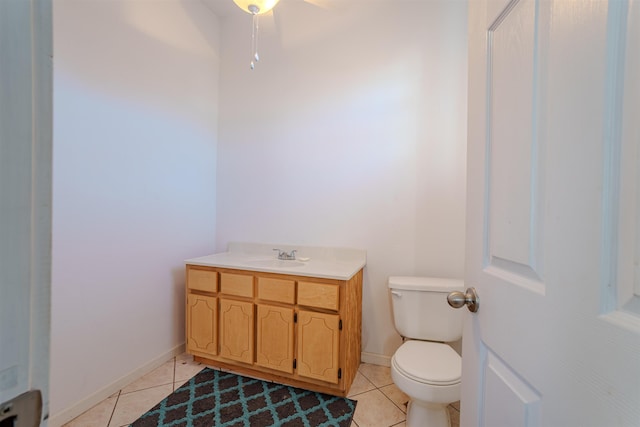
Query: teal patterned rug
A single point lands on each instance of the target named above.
(222, 399)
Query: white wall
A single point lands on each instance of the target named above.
(351, 131)
(135, 136)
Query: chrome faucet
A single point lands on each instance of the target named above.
(284, 255)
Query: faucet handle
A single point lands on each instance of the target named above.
(284, 255)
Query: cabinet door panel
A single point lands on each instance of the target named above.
(279, 290)
(318, 345)
(274, 338)
(202, 327)
(236, 330)
(202, 280)
(321, 295)
(236, 284)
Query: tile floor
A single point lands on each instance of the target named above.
(380, 403)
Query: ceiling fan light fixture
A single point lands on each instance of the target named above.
(256, 7)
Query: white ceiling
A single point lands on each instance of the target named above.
(225, 8)
(296, 22)
(222, 8)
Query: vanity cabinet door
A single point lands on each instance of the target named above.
(274, 337)
(318, 345)
(236, 330)
(202, 325)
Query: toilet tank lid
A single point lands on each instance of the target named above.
(412, 283)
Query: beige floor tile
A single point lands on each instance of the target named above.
(186, 368)
(454, 415)
(132, 405)
(360, 385)
(380, 376)
(98, 416)
(456, 405)
(402, 424)
(164, 374)
(374, 409)
(184, 357)
(396, 395)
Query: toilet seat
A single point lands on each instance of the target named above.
(429, 363)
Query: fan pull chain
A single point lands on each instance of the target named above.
(254, 41)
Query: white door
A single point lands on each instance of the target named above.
(553, 225)
(25, 206)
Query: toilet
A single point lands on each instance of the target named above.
(424, 367)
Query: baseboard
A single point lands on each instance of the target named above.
(74, 411)
(375, 359)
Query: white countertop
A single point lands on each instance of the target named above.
(328, 263)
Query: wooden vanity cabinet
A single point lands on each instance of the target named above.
(274, 337)
(202, 312)
(300, 331)
(275, 324)
(236, 317)
(236, 330)
(202, 324)
(319, 346)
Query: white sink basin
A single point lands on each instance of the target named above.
(274, 263)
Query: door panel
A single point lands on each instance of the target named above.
(508, 400)
(236, 330)
(550, 227)
(274, 337)
(318, 345)
(621, 300)
(202, 324)
(511, 142)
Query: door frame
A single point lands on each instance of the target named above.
(27, 104)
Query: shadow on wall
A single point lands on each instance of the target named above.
(179, 283)
(131, 39)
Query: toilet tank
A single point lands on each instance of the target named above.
(420, 308)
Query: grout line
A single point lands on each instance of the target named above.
(351, 396)
(394, 403)
(114, 408)
(175, 360)
(148, 388)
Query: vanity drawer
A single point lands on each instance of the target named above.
(202, 280)
(236, 284)
(279, 290)
(319, 295)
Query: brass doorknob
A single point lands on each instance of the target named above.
(457, 299)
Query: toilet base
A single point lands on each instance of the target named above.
(423, 414)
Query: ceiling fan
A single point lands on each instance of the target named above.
(261, 7)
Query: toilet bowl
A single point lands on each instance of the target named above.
(429, 373)
(424, 367)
